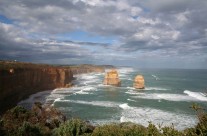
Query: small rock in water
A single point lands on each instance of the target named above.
(139, 82)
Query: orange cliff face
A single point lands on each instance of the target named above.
(112, 78)
(19, 80)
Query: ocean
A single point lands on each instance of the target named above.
(166, 99)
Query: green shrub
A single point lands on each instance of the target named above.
(73, 127)
(171, 131)
(124, 129)
(152, 130)
(28, 129)
(201, 128)
(18, 110)
(190, 132)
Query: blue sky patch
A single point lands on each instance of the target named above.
(82, 36)
(4, 19)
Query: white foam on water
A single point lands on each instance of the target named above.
(125, 70)
(102, 85)
(144, 115)
(133, 92)
(90, 76)
(35, 97)
(155, 88)
(91, 81)
(124, 106)
(57, 99)
(82, 92)
(89, 88)
(131, 100)
(204, 94)
(93, 103)
(59, 93)
(164, 96)
(156, 78)
(130, 87)
(197, 95)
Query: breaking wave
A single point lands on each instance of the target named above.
(144, 115)
(197, 95)
(156, 88)
(93, 103)
(124, 106)
(165, 96)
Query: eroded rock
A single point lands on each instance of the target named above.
(112, 78)
(139, 82)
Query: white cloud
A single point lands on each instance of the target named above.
(158, 27)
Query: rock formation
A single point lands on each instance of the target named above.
(19, 80)
(139, 82)
(112, 78)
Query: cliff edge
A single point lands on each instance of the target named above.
(19, 80)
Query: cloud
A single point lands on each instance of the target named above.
(160, 28)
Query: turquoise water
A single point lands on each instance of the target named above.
(165, 100)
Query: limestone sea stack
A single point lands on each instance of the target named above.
(112, 78)
(139, 82)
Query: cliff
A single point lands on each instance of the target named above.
(112, 78)
(19, 80)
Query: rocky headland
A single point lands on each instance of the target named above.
(18, 80)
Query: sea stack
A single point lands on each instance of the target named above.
(139, 82)
(112, 78)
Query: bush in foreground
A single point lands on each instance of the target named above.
(21, 122)
(73, 127)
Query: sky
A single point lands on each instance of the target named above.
(138, 33)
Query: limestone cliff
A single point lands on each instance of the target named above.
(19, 80)
(112, 78)
(139, 82)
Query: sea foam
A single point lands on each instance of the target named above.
(156, 88)
(125, 106)
(197, 95)
(144, 115)
(164, 96)
(131, 100)
(93, 103)
(82, 92)
(40, 96)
